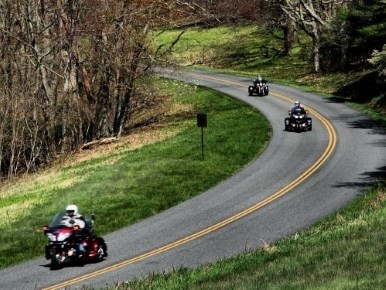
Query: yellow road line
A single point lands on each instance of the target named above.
(332, 139)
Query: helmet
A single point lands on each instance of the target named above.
(72, 210)
(259, 78)
(297, 103)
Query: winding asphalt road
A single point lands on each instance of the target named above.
(299, 179)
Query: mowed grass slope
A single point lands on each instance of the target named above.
(150, 170)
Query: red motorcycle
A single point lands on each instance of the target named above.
(66, 239)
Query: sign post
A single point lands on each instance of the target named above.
(202, 122)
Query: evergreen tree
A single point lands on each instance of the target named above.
(366, 28)
(378, 58)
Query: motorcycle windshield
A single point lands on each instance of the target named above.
(58, 222)
(296, 111)
(57, 218)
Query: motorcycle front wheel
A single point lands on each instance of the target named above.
(100, 253)
(56, 262)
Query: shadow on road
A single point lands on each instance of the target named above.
(368, 179)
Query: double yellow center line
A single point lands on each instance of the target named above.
(332, 140)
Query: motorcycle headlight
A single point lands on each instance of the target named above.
(63, 236)
(51, 237)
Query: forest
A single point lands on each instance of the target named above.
(74, 72)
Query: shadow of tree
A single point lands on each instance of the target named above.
(378, 125)
(365, 123)
(379, 175)
(358, 90)
(375, 127)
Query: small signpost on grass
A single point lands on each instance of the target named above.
(202, 122)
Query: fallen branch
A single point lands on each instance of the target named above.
(99, 142)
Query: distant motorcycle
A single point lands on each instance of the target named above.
(259, 89)
(299, 121)
(63, 241)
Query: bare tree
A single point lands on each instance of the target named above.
(314, 17)
(19, 89)
(70, 72)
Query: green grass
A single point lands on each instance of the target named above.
(211, 46)
(126, 185)
(249, 50)
(246, 49)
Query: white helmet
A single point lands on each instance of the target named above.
(72, 210)
(297, 104)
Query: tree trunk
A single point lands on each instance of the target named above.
(316, 47)
(290, 35)
(316, 53)
(121, 115)
(68, 24)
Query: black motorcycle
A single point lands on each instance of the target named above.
(299, 121)
(258, 88)
(64, 240)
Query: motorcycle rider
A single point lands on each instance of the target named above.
(297, 105)
(293, 112)
(73, 217)
(259, 80)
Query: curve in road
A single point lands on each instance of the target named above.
(226, 218)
